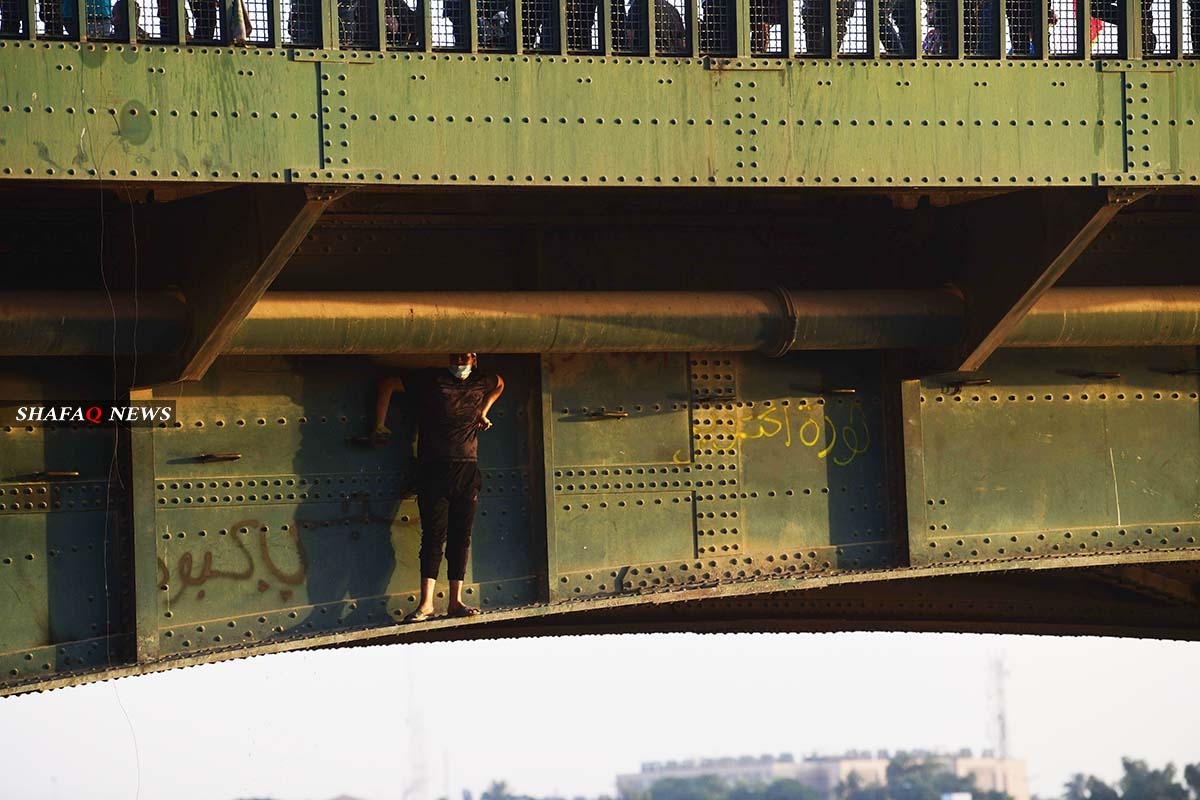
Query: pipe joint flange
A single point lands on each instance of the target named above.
(789, 326)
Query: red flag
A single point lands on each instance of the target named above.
(1096, 26)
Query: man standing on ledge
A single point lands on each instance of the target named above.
(451, 408)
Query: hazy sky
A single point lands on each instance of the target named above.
(567, 714)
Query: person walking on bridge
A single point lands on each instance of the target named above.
(451, 408)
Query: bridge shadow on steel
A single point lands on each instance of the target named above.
(277, 517)
(65, 563)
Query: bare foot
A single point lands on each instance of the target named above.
(462, 610)
(419, 614)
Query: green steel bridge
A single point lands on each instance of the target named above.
(814, 315)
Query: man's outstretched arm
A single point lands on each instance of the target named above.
(489, 401)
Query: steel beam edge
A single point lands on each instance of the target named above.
(447, 628)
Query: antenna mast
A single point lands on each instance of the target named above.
(999, 673)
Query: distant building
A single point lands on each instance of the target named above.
(991, 774)
(825, 773)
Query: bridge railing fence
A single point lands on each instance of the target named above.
(843, 29)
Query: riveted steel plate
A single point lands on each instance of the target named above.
(506, 541)
(52, 571)
(1151, 141)
(35, 662)
(1068, 451)
(916, 118)
(785, 470)
(276, 516)
(720, 519)
(165, 113)
(620, 408)
(1185, 123)
(318, 566)
(810, 430)
(109, 110)
(618, 461)
(38, 497)
(600, 529)
(63, 535)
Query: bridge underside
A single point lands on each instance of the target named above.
(1155, 600)
(725, 410)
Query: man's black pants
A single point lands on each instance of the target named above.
(447, 494)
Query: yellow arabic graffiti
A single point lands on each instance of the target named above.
(818, 426)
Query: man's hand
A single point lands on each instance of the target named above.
(484, 423)
(381, 434)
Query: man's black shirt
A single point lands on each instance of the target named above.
(447, 410)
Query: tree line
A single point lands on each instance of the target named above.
(1139, 781)
(910, 778)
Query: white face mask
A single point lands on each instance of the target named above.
(461, 371)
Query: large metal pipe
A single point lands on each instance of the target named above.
(76, 324)
(90, 323)
(1128, 316)
(575, 322)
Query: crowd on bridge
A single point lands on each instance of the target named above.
(539, 22)
(106, 19)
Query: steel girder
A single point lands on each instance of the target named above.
(173, 115)
(817, 491)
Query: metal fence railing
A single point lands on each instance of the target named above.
(949, 29)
